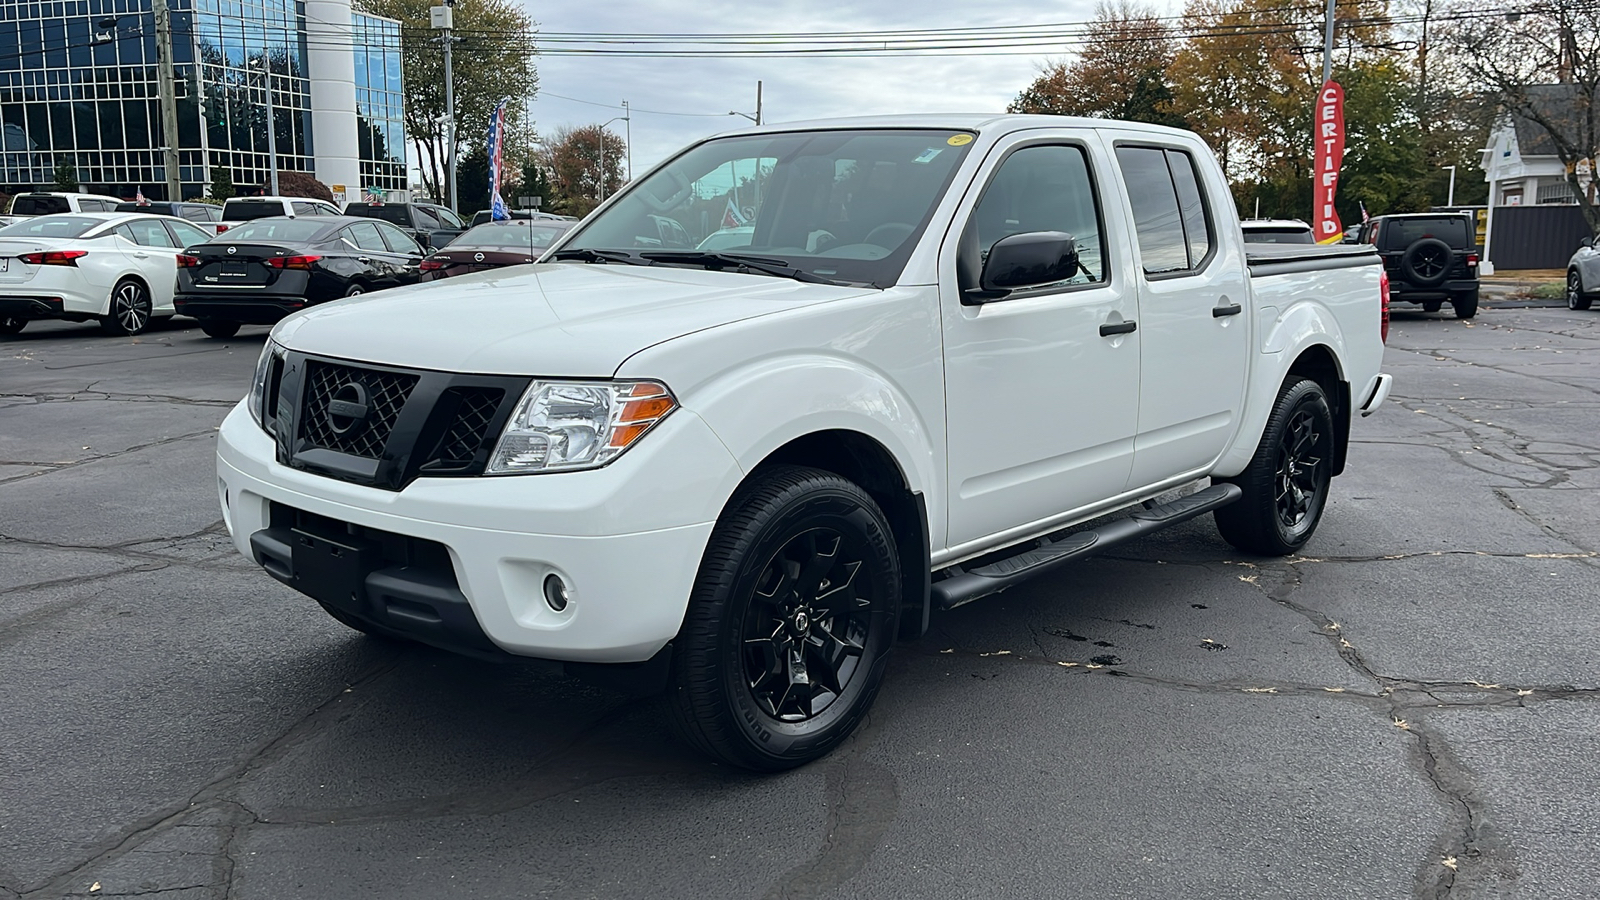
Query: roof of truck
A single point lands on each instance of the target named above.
(962, 121)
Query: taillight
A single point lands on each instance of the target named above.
(185, 261)
(1472, 259)
(1383, 292)
(431, 265)
(221, 228)
(291, 262)
(54, 257)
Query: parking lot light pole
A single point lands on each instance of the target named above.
(272, 126)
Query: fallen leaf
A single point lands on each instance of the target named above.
(1402, 724)
(94, 888)
(997, 653)
(1066, 664)
(1260, 690)
(1449, 862)
(1332, 626)
(1479, 684)
(1524, 693)
(1334, 690)
(949, 650)
(1093, 666)
(1248, 579)
(1345, 644)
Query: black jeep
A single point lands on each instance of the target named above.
(1431, 258)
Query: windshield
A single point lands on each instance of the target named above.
(51, 227)
(843, 205)
(280, 230)
(1257, 235)
(245, 210)
(519, 234)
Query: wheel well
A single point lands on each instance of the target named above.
(864, 461)
(1317, 362)
(134, 278)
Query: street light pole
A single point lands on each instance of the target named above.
(167, 89)
(443, 19)
(602, 139)
(272, 128)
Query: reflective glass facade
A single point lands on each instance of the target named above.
(72, 92)
(379, 93)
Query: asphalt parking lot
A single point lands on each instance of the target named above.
(1407, 710)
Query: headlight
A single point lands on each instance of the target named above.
(566, 425)
(264, 387)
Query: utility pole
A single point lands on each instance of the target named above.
(443, 18)
(1327, 47)
(758, 97)
(272, 127)
(627, 126)
(167, 90)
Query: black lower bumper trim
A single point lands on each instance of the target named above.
(248, 312)
(31, 307)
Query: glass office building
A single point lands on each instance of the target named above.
(76, 92)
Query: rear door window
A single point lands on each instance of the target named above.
(150, 233)
(1169, 211)
(186, 234)
(365, 235)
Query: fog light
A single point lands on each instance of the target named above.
(555, 592)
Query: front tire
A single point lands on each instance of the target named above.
(219, 329)
(1286, 484)
(12, 324)
(129, 310)
(1576, 298)
(788, 630)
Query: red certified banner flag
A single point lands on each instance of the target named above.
(1328, 150)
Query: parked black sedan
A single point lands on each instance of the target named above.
(265, 269)
(493, 245)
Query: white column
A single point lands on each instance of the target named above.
(331, 69)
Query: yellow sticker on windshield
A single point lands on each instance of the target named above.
(957, 140)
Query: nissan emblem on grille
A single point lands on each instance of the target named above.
(347, 408)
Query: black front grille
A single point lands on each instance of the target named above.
(475, 408)
(386, 397)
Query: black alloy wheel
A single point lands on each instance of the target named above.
(1576, 299)
(129, 310)
(788, 629)
(12, 324)
(1285, 487)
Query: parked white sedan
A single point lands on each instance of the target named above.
(117, 268)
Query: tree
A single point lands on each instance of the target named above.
(493, 60)
(535, 183)
(1119, 74)
(221, 182)
(572, 157)
(66, 175)
(1542, 65)
(303, 184)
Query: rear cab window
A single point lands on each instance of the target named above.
(39, 206)
(387, 212)
(245, 210)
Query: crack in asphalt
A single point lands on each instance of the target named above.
(220, 787)
(50, 468)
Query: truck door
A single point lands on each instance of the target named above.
(1194, 316)
(1041, 386)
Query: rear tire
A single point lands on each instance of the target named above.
(1576, 298)
(355, 290)
(788, 629)
(1286, 484)
(219, 329)
(12, 324)
(1466, 305)
(1432, 305)
(129, 311)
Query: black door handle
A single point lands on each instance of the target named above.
(1119, 328)
(1232, 309)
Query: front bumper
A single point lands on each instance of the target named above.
(626, 539)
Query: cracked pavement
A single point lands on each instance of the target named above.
(1407, 709)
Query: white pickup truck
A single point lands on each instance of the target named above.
(929, 352)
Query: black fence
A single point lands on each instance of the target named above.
(1535, 237)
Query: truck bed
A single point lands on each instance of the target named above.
(1285, 259)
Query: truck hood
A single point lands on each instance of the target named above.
(555, 319)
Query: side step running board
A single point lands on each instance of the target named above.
(997, 576)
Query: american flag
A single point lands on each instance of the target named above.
(375, 196)
(138, 196)
(731, 217)
(497, 127)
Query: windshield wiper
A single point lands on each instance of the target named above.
(588, 255)
(719, 261)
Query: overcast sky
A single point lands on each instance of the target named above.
(793, 88)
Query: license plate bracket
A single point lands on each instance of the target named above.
(335, 570)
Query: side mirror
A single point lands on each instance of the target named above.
(1026, 260)
(1586, 242)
